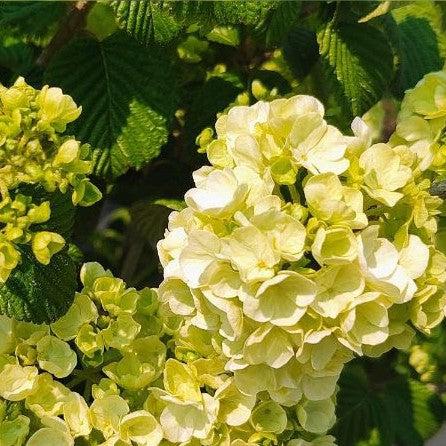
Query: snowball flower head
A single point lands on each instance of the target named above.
(293, 255)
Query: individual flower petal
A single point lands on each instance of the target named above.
(281, 300)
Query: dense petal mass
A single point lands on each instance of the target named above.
(281, 300)
(299, 249)
(325, 254)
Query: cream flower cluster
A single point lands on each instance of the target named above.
(301, 247)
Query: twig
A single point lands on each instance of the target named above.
(68, 28)
(389, 121)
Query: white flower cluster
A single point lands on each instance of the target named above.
(299, 248)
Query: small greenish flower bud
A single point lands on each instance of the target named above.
(40, 214)
(9, 258)
(56, 108)
(105, 387)
(45, 244)
(147, 302)
(12, 233)
(20, 204)
(259, 91)
(204, 138)
(89, 341)
(192, 49)
(263, 438)
(67, 153)
(299, 212)
(284, 171)
(26, 354)
(13, 98)
(419, 359)
(103, 321)
(242, 99)
(85, 193)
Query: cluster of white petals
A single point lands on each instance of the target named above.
(300, 248)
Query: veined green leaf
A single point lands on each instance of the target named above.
(280, 21)
(15, 55)
(247, 12)
(361, 414)
(31, 19)
(101, 21)
(419, 35)
(414, 410)
(232, 12)
(300, 50)
(39, 293)
(146, 20)
(150, 218)
(359, 60)
(429, 10)
(127, 94)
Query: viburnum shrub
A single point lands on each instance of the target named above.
(299, 249)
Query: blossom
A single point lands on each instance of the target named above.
(299, 248)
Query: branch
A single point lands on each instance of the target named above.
(68, 28)
(389, 121)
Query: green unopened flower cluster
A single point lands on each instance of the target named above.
(107, 345)
(33, 151)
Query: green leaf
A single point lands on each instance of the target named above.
(428, 411)
(232, 12)
(149, 219)
(31, 19)
(398, 411)
(77, 256)
(39, 293)
(127, 94)
(432, 11)
(358, 12)
(15, 55)
(382, 9)
(280, 21)
(101, 21)
(414, 410)
(359, 61)
(361, 413)
(226, 35)
(417, 42)
(146, 20)
(300, 50)
(247, 12)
